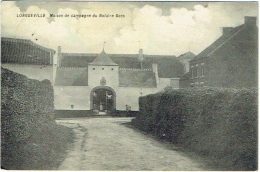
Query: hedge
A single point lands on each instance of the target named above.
(30, 137)
(221, 123)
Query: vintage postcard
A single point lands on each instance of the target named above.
(140, 85)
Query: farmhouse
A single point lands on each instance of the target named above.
(92, 81)
(107, 82)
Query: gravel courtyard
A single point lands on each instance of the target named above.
(107, 144)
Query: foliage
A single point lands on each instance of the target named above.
(30, 137)
(221, 123)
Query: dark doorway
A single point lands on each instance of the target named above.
(103, 100)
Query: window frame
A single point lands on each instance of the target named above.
(202, 72)
(192, 72)
(197, 71)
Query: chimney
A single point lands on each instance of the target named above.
(141, 57)
(155, 71)
(227, 30)
(59, 56)
(141, 51)
(250, 21)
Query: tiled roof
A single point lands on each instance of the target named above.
(6, 39)
(136, 78)
(71, 77)
(219, 42)
(24, 51)
(168, 66)
(103, 59)
(66, 76)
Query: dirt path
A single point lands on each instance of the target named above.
(106, 144)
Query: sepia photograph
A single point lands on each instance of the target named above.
(129, 85)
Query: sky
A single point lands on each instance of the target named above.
(165, 28)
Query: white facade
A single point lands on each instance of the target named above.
(103, 74)
(78, 98)
(109, 73)
(39, 72)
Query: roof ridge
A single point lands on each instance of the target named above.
(26, 41)
(16, 38)
(120, 54)
(220, 41)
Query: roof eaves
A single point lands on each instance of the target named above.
(193, 60)
(103, 64)
(26, 41)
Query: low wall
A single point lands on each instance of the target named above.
(126, 114)
(221, 123)
(72, 113)
(89, 113)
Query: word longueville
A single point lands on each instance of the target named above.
(30, 15)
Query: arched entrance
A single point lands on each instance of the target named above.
(103, 99)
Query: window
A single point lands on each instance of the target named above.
(112, 69)
(192, 72)
(72, 106)
(202, 69)
(93, 68)
(197, 71)
(102, 68)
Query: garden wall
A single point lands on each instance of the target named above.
(221, 123)
(30, 137)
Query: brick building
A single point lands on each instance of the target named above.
(230, 61)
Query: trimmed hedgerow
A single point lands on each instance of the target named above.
(30, 137)
(221, 123)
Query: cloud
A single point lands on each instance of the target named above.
(147, 26)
